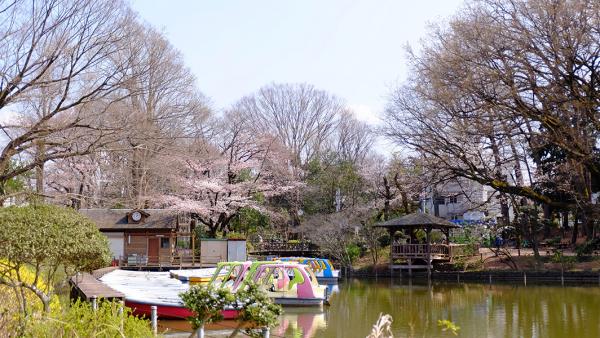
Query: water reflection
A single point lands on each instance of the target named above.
(480, 310)
(301, 322)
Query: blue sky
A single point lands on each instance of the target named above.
(354, 49)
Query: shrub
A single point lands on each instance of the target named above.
(567, 262)
(47, 238)
(258, 309)
(255, 307)
(353, 251)
(206, 302)
(235, 235)
(587, 248)
(79, 320)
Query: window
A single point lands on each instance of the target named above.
(164, 242)
(440, 201)
(453, 199)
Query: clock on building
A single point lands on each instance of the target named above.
(136, 216)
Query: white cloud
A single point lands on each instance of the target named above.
(365, 113)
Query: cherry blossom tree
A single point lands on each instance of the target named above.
(214, 180)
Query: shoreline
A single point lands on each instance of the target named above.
(493, 276)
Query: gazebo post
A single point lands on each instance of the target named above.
(427, 232)
(447, 233)
(391, 231)
(411, 232)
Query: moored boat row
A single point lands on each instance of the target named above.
(288, 283)
(322, 267)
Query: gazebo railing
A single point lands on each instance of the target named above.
(438, 251)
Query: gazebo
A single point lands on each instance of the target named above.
(412, 251)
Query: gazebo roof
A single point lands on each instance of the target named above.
(417, 220)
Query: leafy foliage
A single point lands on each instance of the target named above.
(46, 238)
(254, 306)
(249, 220)
(79, 320)
(353, 252)
(257, 308)
(206, 302)
(51, 236)
(587, 248)
(330, 181)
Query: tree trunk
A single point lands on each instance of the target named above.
(575, 228)
(565, 221)
(387, 199)
(436, 206)
(39, 169)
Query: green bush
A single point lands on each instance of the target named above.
(384, 239)
(235, 235)
(206, 302)
(257, 308)
(52, 242)
(560, 258)
(353, 251)
(79, 320)
(587, 248)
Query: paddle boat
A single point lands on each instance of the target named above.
(143, 289)
(290, 283)
(322, 267)
(287, 283)
(232, 275)
(193, 276)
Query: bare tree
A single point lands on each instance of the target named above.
(508, 85)
(64, 57)
(352, 139)
(299, 115)
(166, 109)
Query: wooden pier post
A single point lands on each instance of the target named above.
(94, 300)
(154, 319)
(121, 316)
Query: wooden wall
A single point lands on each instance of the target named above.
(137, 243)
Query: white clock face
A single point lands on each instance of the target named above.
(136, 216)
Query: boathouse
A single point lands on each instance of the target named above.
(145, 236)
(160, 238)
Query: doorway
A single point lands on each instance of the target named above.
(153, 250)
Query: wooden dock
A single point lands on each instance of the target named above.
(85, 286)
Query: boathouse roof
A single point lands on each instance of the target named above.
(120, 219)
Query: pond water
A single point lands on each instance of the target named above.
(480, 310)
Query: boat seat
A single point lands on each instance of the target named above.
(298, 279)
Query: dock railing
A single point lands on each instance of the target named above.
(169, 261)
